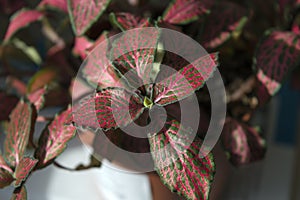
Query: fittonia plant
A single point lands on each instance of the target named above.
(44, 42)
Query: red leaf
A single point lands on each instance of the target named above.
(242, 142)
(109, 108)
(225, 20)
(180, 166)
(37, 98)
(8, 103)
(82, 44)
(20, 20)
(186, 81)
(137, 64)
(276, 55)
(20, 194)
(23, 169)
(60, 4)
(84, 13)
(54, 139)
(184, 11)
(126, 21)
(18, 131)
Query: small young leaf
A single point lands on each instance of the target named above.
(84, 13)
(133, 54)
(243, 142)
(20, 194)
(109, 108)
(224, 21)
(54, 139)
(20, 20)
(60, 4)
(82, 44)
(6, 178)
(8, 103)
(126, 21)
(37, 98)
(180, 166)
(276, 55)
(23, 169)
(186, 81)
(18, 131)
(184, 11)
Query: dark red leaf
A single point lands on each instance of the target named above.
(184, 11)
(23, 169)
(126, 21)
(54, 139)
(18, 131)
(186, 81)
(179, 164)
(84, 13)
(243, 143)
(109, 108)
(276, 55)
(20, 194)
(41, 79)
(224, 21)
(8, 102)
(60, 4)
(20, 20)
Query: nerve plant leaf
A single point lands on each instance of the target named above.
(20, 20)
(225, 20)
(54, 139)
(133, 54)
(126, 21)
(277, 54)
(243, 143)
(109, 108)
(23, 169)
(186, 81)
(84, 13)
(18, 131)
(178, 163)
(184, 11)
(60, 4)
(20, 194)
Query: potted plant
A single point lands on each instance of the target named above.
(130, 69)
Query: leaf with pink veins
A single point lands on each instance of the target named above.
(185, 81)
(54, 139)
(276, 55)
(179, 162)
(127, 21)
(84, 14)
(21, 123)
(184, 11)
(23, 169)
(109, 108)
